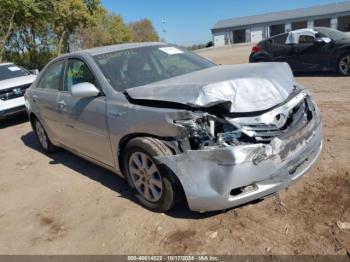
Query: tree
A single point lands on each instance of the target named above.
(107, 29)
(7, 11)
(69, 16)
(119, 31)
(143, 31)
(26, 28)
(24, 20)
(34, 31)
(96, 34)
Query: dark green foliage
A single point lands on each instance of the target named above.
(32, 32)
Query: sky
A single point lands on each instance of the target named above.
(189, 22)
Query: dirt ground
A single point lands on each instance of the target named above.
(62, 204)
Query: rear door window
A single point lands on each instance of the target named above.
(279, 39)
(51, 78)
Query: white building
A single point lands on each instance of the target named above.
(258, 27)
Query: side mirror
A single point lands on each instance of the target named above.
(84, 90)
(326, 39)
(34, 71)
(318, 41)
(323, 40)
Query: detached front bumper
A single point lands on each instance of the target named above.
(223, 177)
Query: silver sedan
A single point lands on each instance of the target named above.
(177, 126)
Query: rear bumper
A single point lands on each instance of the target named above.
(211, 177)
(251, 59)
(12, 107)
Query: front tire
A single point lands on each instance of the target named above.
(154, 186)
(42, 137)
(344, 65)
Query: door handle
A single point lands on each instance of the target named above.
(61, 104)
(112, 114)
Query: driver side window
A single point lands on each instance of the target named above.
(77, 72)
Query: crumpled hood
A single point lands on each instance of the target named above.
(237, 88)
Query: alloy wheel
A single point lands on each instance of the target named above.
(41, 135)
(145, 176)
(344, 65)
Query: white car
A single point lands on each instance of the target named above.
(14, 80)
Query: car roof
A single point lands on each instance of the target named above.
(285, 33)
(321, 27)
(313, 30)
(304, 30)
(5, 64)
(113, 48)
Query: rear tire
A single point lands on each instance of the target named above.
(42, 137)
(344, 65)
(154, 186)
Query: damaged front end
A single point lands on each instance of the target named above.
(229, 159)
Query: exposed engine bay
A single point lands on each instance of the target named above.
(207, 130)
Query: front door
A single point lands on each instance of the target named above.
(85, 117)
(312, 55)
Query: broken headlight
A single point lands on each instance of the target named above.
(207, 130)
(200, 131)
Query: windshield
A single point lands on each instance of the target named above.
(331, 33)
(141, 66)
(9, 71)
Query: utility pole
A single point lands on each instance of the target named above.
(164, 30)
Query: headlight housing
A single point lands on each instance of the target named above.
(199, 131)
(207, 130)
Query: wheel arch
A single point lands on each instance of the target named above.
(127, 138)
(342, 52)
(32, 117)
(260, 57)
(337, 54)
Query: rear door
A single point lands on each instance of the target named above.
(85, 119)
(44, 98)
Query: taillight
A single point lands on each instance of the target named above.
(256, 49)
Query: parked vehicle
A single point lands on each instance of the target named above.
(14, 81)
(174, 124)
(318, 49)
(209, 44)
